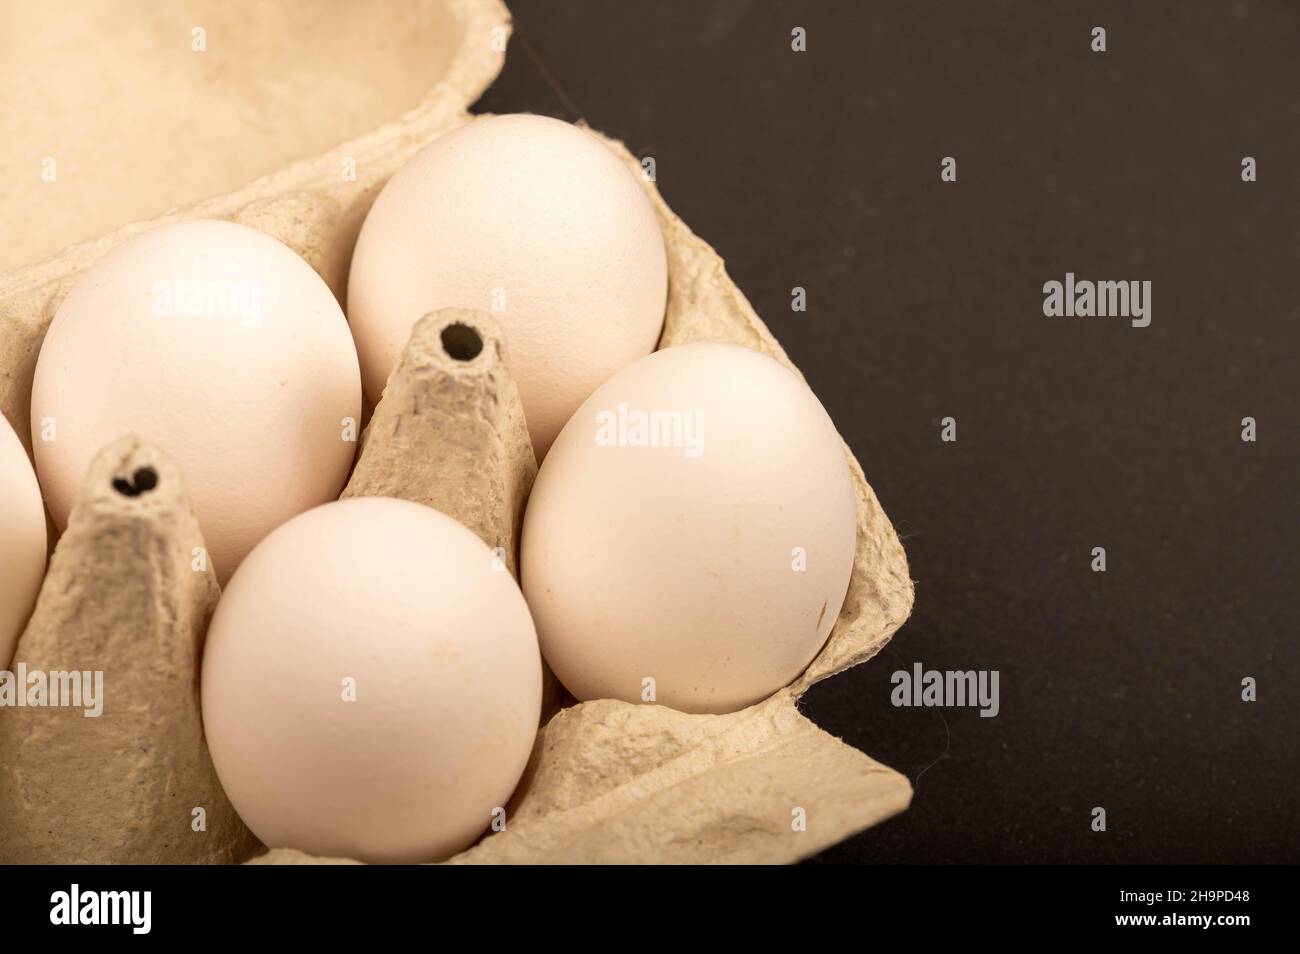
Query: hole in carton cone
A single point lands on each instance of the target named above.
(142, 481)
(461, 342)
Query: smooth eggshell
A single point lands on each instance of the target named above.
(22, 540)
(535, 220)
(436, 636)
(251, 405)
(645, 562)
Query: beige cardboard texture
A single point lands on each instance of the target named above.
(114, 111)
(608, 781)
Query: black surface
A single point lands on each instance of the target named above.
(1119, 689)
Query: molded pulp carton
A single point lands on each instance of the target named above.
(608, 781)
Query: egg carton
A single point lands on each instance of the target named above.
(608, 781)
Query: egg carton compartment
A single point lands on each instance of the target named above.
(608, 781)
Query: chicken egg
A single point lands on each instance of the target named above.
(690, 536)
(22, 540)
(224, 348)
(371, 684)
(532, 219)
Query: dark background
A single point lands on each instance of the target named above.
(821, 169)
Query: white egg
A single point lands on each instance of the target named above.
(371, 684)
(223, 347)
(690, 536)
(22, 540)
(534, 220)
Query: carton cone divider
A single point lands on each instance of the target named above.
(104, 759)
(449, 431)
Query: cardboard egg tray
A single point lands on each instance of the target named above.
(608, 781)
